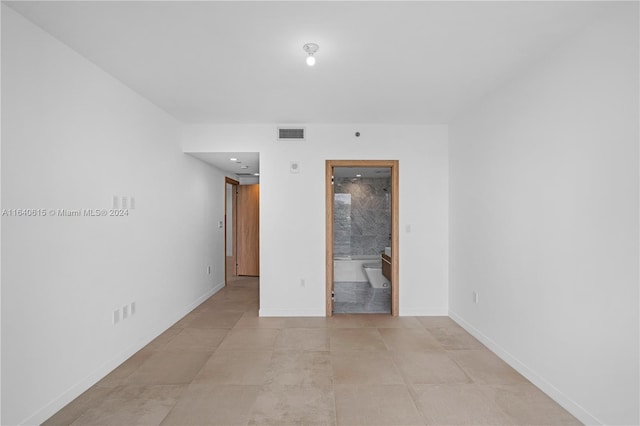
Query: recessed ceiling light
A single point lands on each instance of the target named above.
(358, 175)
(233, 159)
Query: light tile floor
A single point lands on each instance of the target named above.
(360, 298)
(223, 365)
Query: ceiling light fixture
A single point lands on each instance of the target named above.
(311, 48)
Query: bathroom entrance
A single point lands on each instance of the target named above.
(362, 236)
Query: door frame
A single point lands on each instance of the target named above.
(234, 226)
(395, 209)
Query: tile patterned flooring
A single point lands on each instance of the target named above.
(223, 365)
(361, 298)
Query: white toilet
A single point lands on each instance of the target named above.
(373, 271)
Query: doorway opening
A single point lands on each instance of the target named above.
(362, 236)
(231, 229)
(241, 230)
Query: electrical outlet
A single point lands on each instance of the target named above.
(116, 316)
(133, 308)
(125, 312)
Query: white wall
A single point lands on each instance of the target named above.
(292, 210)
(544, 221)
(72, 137)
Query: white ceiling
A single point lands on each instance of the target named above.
(379, 62)
(222, 161)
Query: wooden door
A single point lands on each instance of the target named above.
(248, 238)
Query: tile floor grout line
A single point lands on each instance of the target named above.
(295, 365)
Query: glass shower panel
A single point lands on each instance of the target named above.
(342, 225)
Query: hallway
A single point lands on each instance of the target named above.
(224, 365)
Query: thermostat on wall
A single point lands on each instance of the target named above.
(294, 167)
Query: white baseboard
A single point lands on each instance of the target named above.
(77, 389)
(554, 393)
(424, 312)
(216, 288)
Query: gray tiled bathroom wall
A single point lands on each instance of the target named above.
(362, 216)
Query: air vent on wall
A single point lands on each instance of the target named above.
(290, 133)
(245, 174)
